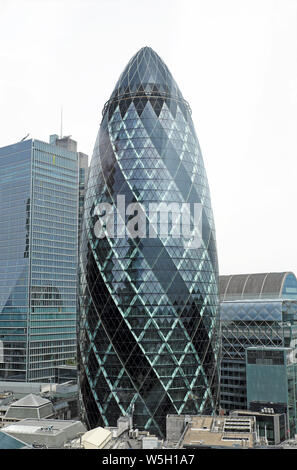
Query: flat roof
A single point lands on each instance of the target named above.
(9, 442)
(255, 413)
(209, 431)
(40, 426)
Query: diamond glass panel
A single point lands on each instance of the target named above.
(148, 323)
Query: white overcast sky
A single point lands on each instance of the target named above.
(235, 61)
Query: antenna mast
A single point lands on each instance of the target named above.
(61, 132)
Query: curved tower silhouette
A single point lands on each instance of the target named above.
(148, 321)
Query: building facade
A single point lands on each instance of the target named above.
(210, 432)
(83, 167)
(148, 305)
(255, 310)
(38, 259)
(271, 375)
(271, 425)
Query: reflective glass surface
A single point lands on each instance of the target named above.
(15, 187)
(148, 306)
(290, 287)
(38, 259)
(54, 232)
(251, 323)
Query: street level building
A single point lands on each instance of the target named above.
(270, 425)
(210, 432)
(31, 406)
(45, 432)
(9, 442)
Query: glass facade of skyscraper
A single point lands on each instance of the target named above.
(38, 259)
(256, 310)
(83, 179)
(83, 168)
(15, 196)
(148, 306)
(272, 383)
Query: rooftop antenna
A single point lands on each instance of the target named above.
(24, 138)
(61, 134)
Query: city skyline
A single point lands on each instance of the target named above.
(242, 85)
(148, 290)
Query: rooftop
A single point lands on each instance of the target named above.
(209, 431)
(254, 413)
(21, 388)
(49, 433)
(146, 68)
(9, 442)
(145, 77)
(96, 437)
(30, 400)
(258, 286)
(40, 426)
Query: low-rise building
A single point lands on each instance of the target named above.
(96, 438)
(31, 406)
(49, 433)
(211, 432)
(122, 436)
(270, 425)
(9, 442)
(63, 396)
(21, 389)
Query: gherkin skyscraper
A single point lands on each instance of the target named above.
(148, 321)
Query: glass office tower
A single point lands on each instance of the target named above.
(271, 375)
(256, 310)
(69, 144)
(83, 179)
(148, 306)
(38, 259)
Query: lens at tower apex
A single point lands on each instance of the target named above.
(148, 322)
